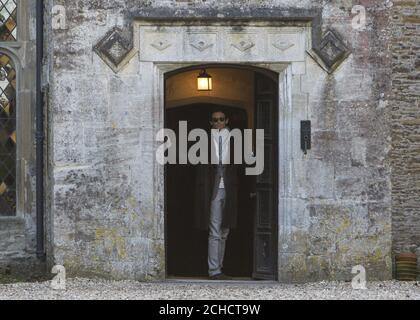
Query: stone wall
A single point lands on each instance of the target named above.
(104, 223)
(404, 102)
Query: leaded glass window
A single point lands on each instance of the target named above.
(7, 136)
(8, 20)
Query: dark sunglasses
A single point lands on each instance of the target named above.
(215, 120)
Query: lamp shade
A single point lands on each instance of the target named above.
(204, 81)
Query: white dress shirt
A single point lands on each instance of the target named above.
(225, 134)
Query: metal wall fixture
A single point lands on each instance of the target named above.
(306, 136)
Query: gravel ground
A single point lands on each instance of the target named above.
(83, 289)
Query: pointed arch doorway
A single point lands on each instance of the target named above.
(250, 97)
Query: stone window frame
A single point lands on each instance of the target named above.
(18, 52)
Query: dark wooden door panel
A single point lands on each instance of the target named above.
(266, 220)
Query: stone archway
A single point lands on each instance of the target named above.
(284, 72)
(161, 57)
(253, 245)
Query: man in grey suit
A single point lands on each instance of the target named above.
(218, 234)
(216, 194)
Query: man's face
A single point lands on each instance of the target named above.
(219, 121)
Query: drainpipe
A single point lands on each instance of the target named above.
(40, 245)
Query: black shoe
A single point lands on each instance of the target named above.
(220, 277)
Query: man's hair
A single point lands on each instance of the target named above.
(216, 110)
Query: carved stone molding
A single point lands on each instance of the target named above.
(216, 42)
(115, 50)
(173, 40)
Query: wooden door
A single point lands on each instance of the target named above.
(266, 189)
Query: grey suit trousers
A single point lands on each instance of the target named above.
(217, 234)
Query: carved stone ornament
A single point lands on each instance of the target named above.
(161, 45)
(243, 45)
(283, 46)
(201, 45)
(330, 52)
(115, 50)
